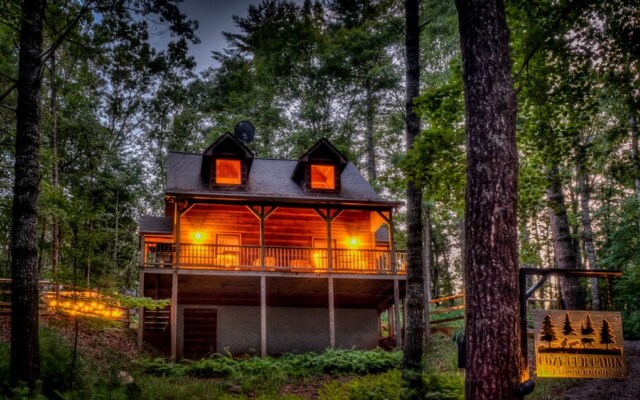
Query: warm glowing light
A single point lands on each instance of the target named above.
(92, 304)
(198, 237)
(353, 242)
(323, 177)
(228, 172)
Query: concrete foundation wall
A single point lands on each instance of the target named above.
(289, 329)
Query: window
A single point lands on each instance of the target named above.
(228, 172)
(323, 177)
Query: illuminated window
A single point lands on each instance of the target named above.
(228, 172)
(322, 177)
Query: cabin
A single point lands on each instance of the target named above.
(268, 256)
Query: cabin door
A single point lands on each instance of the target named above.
(200, 332)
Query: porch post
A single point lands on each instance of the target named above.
(262, 218)
(332, 318)
(174, 287)
(263, 314)
(141, 310)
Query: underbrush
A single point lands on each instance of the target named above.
(333, 374)
(388, 386)
(251, 374)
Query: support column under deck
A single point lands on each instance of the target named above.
(141, 311)
(174, 316)
(263, 315)
(332, 315)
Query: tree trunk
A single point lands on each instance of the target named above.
(494, 362)
(587, 231)
(413, 344)
(55, 180)
(371, 151)
(426, 257)
(636, 159)
(565, 246)
(25, 353)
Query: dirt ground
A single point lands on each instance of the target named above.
(608, 389)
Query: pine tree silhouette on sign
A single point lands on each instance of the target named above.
(588, 328)
(567, 329)
(606, 334)
(547, 333)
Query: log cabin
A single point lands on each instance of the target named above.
(268, 256)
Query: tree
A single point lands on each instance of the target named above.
(25, 350)
(567, 329)
(606, 334)
(587, 327)
(494, 362)
(413, 345)
(548, 332)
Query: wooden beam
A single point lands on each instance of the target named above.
(332, 319)
(263, 316)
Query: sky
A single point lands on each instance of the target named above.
(214, 17)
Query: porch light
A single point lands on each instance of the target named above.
(353, 242)
(198, 237)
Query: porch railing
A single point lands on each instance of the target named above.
(284, 259)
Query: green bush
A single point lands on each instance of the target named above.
(389, 386)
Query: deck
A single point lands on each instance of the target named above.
(273, 259)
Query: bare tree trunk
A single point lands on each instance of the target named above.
(55, 180)
(494, 362)
(25, 351)
(413, 343)
(636, 158)
(426, 257)
(371, 151)
(564, 245)
(587, 231)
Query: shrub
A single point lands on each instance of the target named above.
(389, 386)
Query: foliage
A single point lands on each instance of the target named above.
(389, 386)
(331, 361)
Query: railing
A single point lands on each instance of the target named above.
(285, 259)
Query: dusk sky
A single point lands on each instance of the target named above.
(214, 18)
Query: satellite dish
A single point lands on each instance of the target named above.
(244, 131)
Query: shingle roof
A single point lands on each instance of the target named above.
(149, 224)
(268, 179)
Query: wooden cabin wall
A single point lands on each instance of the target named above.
(287, 227)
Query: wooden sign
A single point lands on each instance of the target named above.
(579, 344)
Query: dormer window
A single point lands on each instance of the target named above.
(228, 172)
(323, 177)
(319, 170)
(226, 164)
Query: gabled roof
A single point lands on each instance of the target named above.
(318, 146)
(268, 180)
(159, 225)
(227, 137)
